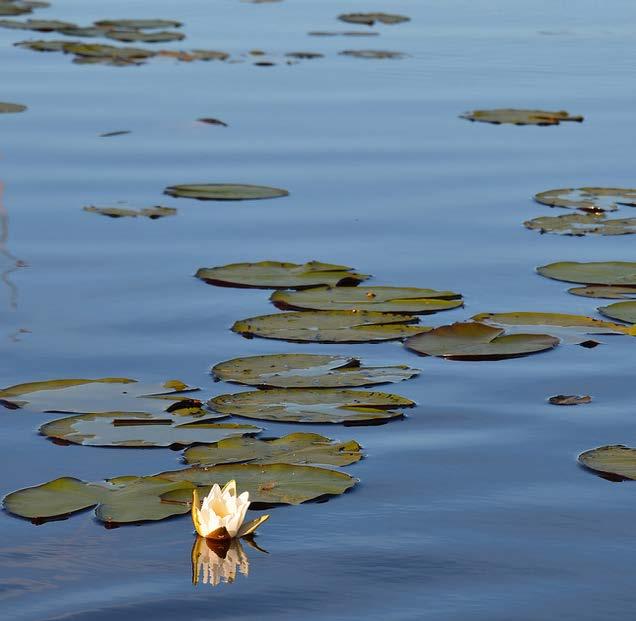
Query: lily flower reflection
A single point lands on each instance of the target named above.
(214, 561)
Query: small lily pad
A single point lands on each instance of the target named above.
(295, 448)
(614, 460)
(570, 399)
(140, 429)
(277, 275)
(38, 25)
(119, 132)
(609, 292)
(372, 54)
(619, 273)
(324, 405)
(138, 24)
(224, 192)
(118, 212)
(331, 326)
(11, 108)
(578, 225)
(345, 33)
(369, 19)
(477, 341)
(211, 121)
(590, 199)
(138, 36)
(623, 311)
(520, 117)
(307, 371)
(381, 299)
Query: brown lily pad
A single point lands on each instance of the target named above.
(520, 117)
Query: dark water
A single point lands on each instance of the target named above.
(471, 508)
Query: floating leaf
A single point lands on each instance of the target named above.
(588, 199)
(224, 192)
(92, 52)
(520, 117)
(579, 225)
(211, 121)
(304, 55)
(204, 55)
(10, 108)
(295, 448)
(570, 399)
(610, 292)
(118, 212)
(138, 24)
(307, 371)
(331, 326)
(614, 460)
(276, 275)
(477, 341)
(20, 7)
(137, 36)
(381, 299)
(140, 429)
(120, 132)
(324, 405)
(38, 25)
(623, 311)
(622, 273)
(369, 19)
(372, 54)
(346, 33)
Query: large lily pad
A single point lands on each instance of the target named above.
(579, 224)
(588, 199)
(369, 19)
(38, 25)
(92, 53)
(609, 292)
(140, 429)
(295, 448)
(614, 460)
(623, 311)
(92, 395)
(277, 275)
(331, 326)
(11, 108)
(307, 371)
(224, 192)
(477, 341)
(620, 273)
(520, 117)
(153, 213)
(381, 299)
(324, 405)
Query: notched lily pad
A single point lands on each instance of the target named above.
(224, 192)
(589, 199)
(520, 117)
(608, 292)
(331, 326)
(381, 299)
(119, 212)
(477, 341)
(617, 273)
(324, 405)
(611, 461)
(579, 225)
(11, 108)
(277, 275)
(372, 54)
(295, 448)
(570, 399)
(307, 371)
(622, 311)
(369, 19)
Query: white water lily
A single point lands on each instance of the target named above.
(222, 512)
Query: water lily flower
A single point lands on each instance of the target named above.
(221, 514)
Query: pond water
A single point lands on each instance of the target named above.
(473, 507)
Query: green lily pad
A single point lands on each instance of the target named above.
(38, 25)
(140, 429)
(620, 273)
(520, 117)
(578, 225)
(276, 275)
(138, 36)
(91, 395)
(323, 405)
(204, 55)
(477, 341)
(609, 292)
(372, 54)
(81, 31)
(331, 326)
(613, 460)
(295, 448)
(623, 311)
(307, 371)
(137, 24)
(10, 108)
(369, 19)
(224, 192)
(588, 199)
(381, 299)
(119, 212)
(20, 7)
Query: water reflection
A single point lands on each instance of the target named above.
(13, 263)
(214, 562)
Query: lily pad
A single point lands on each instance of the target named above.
(140, 429)
(119, 212)
(345, 33)
(211, 121)
(619, 273)
(38, 25)
(11, 108)
(614, 460)
(623, 311)
(578, 225)
(20, 7)
(590, 199)
(307, 371)
(570, 399)
(138, 24)
(369, 19)
(609, 292)
(520, 117)
(331, 326)
(381, 299)
(224, 192)
(477, 341)
(324, 405)
(138, 36)
(295, 448)
(372, 54)
(119, 132)
(276, 275)
(91, 395)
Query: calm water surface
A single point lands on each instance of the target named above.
(473, 507)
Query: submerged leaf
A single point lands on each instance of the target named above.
(610, 292)
(614, 460)
(623, 311)
(369, 19)
(224, 192)
(621, 273)
(588, 199)
(520, 117)
(579, 225)
(307, 371)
